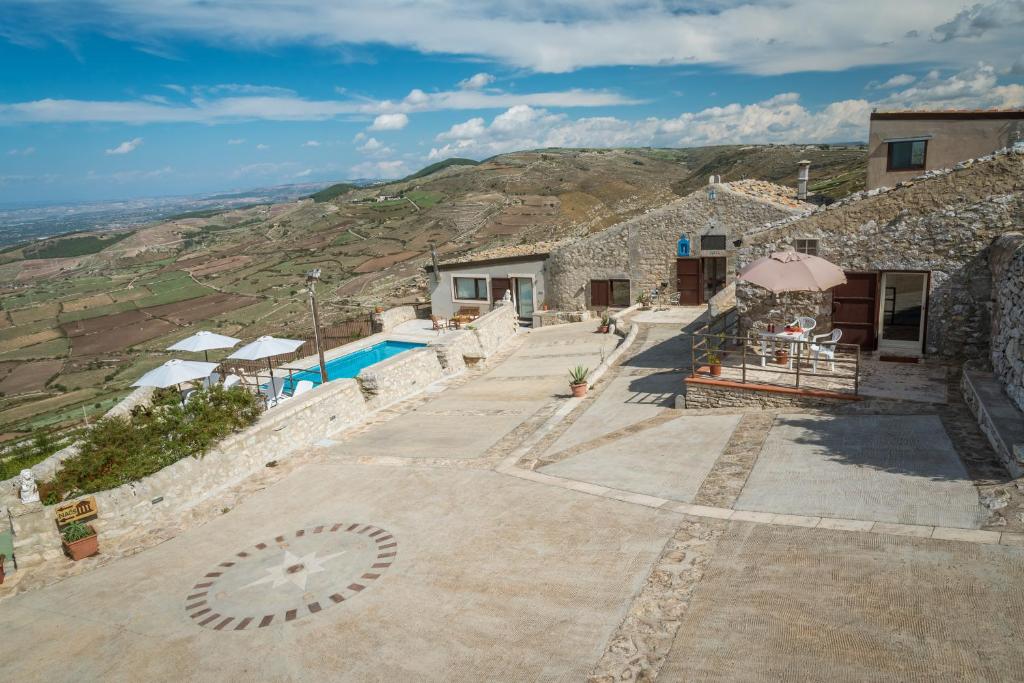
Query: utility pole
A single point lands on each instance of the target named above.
(311, 279)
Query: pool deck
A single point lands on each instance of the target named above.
(414, 331)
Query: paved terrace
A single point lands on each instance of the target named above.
(496, 530)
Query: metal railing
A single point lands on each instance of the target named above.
(749, 360)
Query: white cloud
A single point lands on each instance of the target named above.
(311, 143)
(304, 173)
(22, 152)
(380, 169)
(291, 108)
(477, 81)
(129, 176)
(374, 147)
(390, 122)
(126, 146)
(264, 169)
(770, 37)
(236, 141)
(781, 118)
(897, 81)
(261, 146)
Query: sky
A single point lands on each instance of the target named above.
(111, 99)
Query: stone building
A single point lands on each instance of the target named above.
(904, 144)
(918, 259)
(686, 247)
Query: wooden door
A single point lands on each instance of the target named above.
(600, 293)
(499, 285)
(854, 309)
(689, 282)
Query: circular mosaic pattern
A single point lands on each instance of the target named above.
(291, 577)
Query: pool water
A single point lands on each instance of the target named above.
(351, 364)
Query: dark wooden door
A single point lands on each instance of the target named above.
(499, 285)
(855, 309)
(689, 282)
(600, 293)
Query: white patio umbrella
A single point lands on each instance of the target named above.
(174, 372)
(267, 347)
(204, 341)
(792, 271)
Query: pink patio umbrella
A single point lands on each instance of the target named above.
(791, 271)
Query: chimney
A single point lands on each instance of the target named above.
(433, 258)
(801, 179)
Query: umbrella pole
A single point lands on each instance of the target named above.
(206, 355)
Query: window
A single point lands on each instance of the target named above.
(807, 247)
(712, 242)
(908, 155)
(470, 288)
(620, 293)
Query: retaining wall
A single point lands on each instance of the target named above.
(1007, 263)
(722, 395)
(385, 321)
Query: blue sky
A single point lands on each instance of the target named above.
(108, 99)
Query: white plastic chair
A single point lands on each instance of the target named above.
(825, 348)
(211, 380)
(806, 324)
(302, 387)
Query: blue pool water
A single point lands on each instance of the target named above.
(351, 364)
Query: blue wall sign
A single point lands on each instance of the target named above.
(683, 246)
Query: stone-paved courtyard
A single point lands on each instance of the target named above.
(497, 530)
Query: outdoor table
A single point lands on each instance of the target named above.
(771, 339)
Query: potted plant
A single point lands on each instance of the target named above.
(80, 540)
(578, 381)
(606, 321)
(644, 299)
(714, 358)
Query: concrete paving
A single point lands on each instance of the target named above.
(493, 578)
(669, 461)
(888, 468)
(791, 604)
(465, 421)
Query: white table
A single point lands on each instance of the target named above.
(769, 340)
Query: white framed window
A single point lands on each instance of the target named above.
(470, 288)
(807, 246)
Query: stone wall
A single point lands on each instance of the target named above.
(706, 395)
(643, 249)
(488, 333)
(397, 377)
(943, 223)
(385, 321)
(1007, 264)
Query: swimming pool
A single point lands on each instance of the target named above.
(351, 364)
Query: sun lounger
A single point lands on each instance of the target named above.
(232, 381)
(211, 380)
(273, 391)
(302, 387)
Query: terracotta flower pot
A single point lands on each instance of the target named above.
(579, 390)
(83, 548)
(603, 329)
(782, 357)
(716, 370)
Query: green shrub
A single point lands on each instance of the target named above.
(76, 531)
(118, 451)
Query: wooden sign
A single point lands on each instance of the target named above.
(76, 510)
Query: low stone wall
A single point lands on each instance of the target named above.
(1007, 263)
(164, 495)
(721, 395)
(395, 378)
(488, 333)
(385, 321)
(549, 318)
(999, 419)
